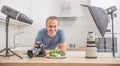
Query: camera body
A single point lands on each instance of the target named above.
(38, 51)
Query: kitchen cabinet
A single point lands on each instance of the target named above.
(105, 44)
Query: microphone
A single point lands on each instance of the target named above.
(14, 14)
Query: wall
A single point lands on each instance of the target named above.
(2, 35)
(12, 31)
(72, 8)
(76, 31)
(39, 10)
(23, 6)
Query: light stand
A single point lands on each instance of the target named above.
(8, 49)
(110, 11)
(113, 44)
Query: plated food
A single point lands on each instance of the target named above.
(56, 54)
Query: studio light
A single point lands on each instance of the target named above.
(16, 15)
(111, 9)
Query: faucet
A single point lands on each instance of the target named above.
(15, 36)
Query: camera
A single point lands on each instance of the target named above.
(38, 51)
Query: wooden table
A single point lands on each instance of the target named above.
(74, 58)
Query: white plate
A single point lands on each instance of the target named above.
(59, 57)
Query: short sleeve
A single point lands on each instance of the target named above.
(38, 37)
(62, 37)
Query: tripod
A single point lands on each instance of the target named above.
(7, 50)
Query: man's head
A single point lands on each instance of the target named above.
(52, 24)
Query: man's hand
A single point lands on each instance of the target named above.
(62, 46)
(47, 52)
(35, 45)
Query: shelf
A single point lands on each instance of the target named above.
(14, 22)
(67, 18)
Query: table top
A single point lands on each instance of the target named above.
(71, 57)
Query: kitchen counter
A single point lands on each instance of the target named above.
(74, 58)
(76, 49)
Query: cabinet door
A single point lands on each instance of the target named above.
(105, 44)
(108, 44)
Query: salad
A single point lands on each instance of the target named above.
(57, 53)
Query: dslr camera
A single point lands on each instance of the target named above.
(38, 51)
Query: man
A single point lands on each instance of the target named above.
(52, 37)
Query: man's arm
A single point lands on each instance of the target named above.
(62, 46)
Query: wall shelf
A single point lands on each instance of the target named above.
(13, 22)
(67, 18)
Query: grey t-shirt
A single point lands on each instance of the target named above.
(50, 43)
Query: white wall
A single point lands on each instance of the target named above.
(72, 8)
(39, 10)
(2, 35)
(76, 31)
(23, 6)
(104, 3)
(12, 31)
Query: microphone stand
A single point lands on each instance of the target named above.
(8, 49)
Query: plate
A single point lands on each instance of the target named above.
(59, 57)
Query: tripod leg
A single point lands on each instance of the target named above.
(2, 50)
(6, 52)
(8, 55)
(15, 54)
